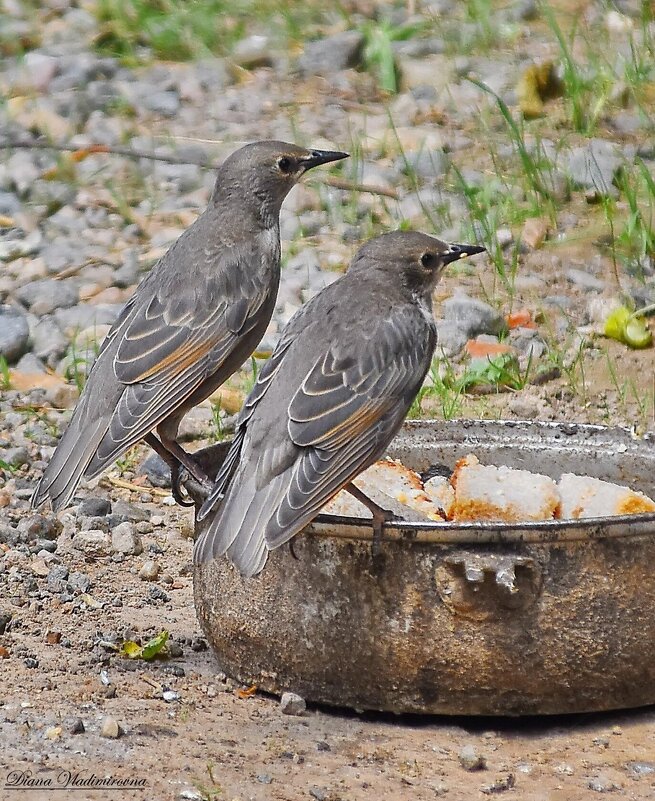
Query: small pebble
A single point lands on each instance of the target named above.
(292, 704)
(53, 732)
(175, 650)
(639, 769)
(94, 506)
(110, 729)
(156, 593)
(602, 784)
(76, 726)
(125, 540)
(500, 785)
(149, 571)
(470, 759)
(93, 543)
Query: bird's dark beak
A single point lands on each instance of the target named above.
(456, 252)
(318, 157)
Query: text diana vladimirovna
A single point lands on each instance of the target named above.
(70, 780)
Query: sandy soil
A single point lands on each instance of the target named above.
(212, 743)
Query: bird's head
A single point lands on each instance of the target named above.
(415, 259)
(260, 175)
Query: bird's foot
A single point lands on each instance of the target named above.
(186, 489)
(179, 477)
(380, 516)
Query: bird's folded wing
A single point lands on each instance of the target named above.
(342, 396)
(346, 412)
(156, 346)
(165, 351)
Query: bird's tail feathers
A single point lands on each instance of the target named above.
(67, 466)
(237, 528)
(223, 476)
(242, 526)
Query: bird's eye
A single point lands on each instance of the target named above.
(428, 259)
(284, 164)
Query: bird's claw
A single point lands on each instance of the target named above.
(180, 475)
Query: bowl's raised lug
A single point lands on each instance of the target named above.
(480, 585)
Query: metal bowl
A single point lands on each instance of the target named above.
(477, 618)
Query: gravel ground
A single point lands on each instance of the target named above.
(77, 233)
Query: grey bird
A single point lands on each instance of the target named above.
(329, 400)
(191, 323)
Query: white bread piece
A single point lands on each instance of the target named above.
(401, 483)
(391, 478)
(439, 490)
(486, 492)
(346, 505)
(583, 496)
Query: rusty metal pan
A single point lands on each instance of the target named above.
(487, 618)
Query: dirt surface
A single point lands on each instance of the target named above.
(210, 742)
(84, 227)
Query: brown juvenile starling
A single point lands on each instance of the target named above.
(329, 400)
(191, 323)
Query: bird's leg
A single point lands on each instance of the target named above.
(380, 515)
(185, 459)
(174, 464)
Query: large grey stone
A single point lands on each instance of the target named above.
(15, 457)
(28, 363)
(334, 53)
(14, 333)
(428, 164)
(124, 511)
(124, 539)
(77, 318)
(40, 526)
(48, 340)
(253, 51)
(48, 294)
(92, 542)
(128, 273)
(450, 338)
(94, 506)
(292, 704)
(52, 194)
(472, 316)
(594, 166)
(157, 471)
(585, 280)
(101, 94)
(166, 103)
(15, 244)
(9, 203)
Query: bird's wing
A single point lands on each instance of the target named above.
(169, 345)
(341, 418)
(160, 339)
(346, 412)
(265, 378)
